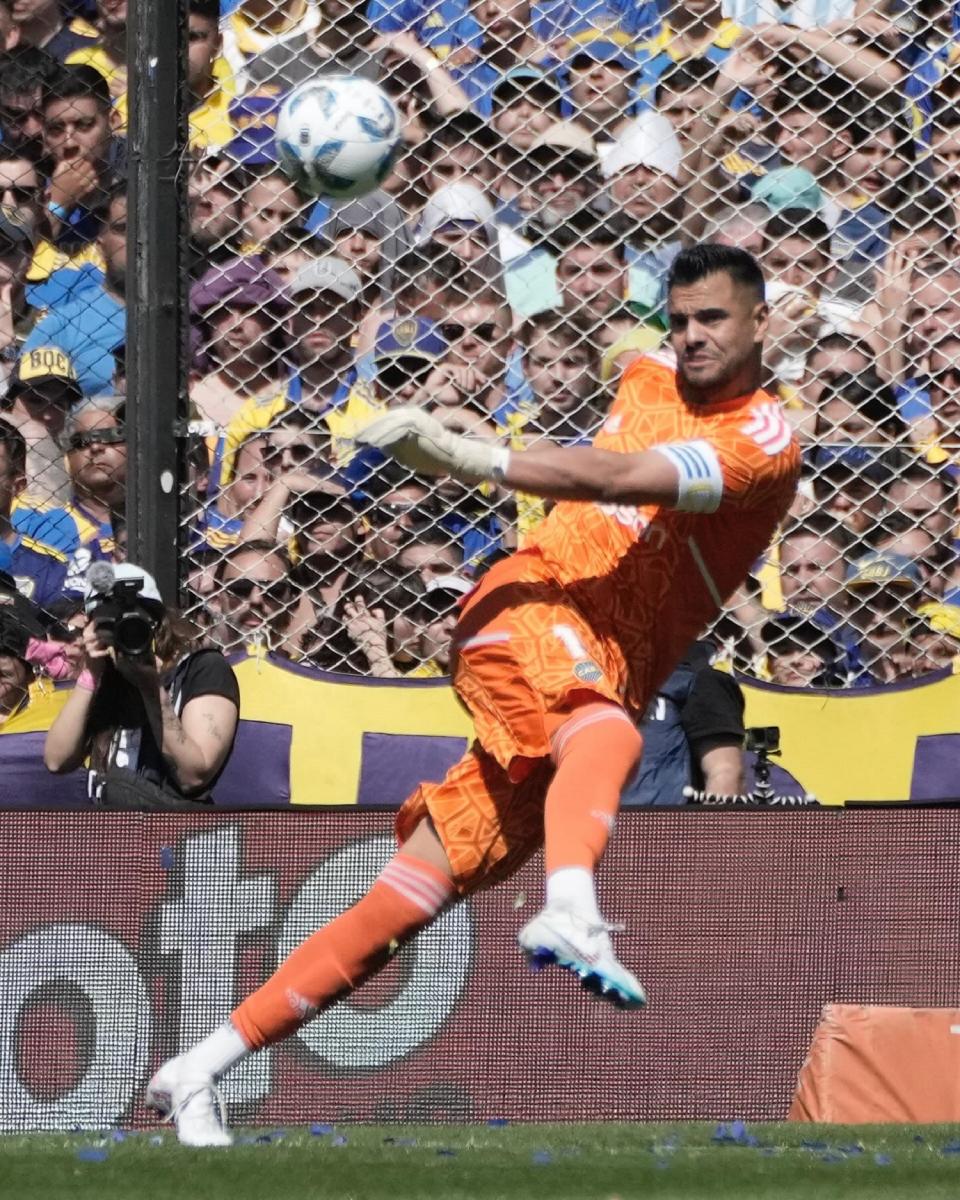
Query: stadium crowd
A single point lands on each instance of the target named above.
(556, 156)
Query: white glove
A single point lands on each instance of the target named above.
(423, 444)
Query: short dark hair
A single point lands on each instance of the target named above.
(79, 83)
(16, 447)
(707, 258)
(262, 546)
(923, 210)
(204, 8)
(837, 340)
(917, 471)
(822, 526)
(682, 76)
(26, 69)
(869, 395)
(585, 227)
(798, 222)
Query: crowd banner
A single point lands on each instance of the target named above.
(308, 738)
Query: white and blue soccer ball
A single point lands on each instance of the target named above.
(338, 136)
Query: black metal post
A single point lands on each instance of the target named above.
(156, 284)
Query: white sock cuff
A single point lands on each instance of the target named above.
(218, 1052)
(573, 888)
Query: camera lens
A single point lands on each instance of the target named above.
(133, 635)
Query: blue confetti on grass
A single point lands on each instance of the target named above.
(735, 1133)
(320, 1130)
(542, 1158)
(118, 1135)
(831, 1157)
(91, 1154)
(339, 1140)
(814, 1146)
(156, 1140)
(882, 1160)
(498, 1122)
(851, 1150)
(444, 1152)
(951, 1148)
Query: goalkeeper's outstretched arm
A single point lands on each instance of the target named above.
(684, 475)
(583, 473)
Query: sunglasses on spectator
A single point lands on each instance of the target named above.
(395, 376)
(19, 194)
(274, 591)
(297, 452)
(96, 437)
(453, 331)
(386, 513)
(322, 510)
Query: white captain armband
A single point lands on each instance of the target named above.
(700, 484)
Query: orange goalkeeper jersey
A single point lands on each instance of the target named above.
(649, 579)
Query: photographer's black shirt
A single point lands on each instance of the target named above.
(203, 673)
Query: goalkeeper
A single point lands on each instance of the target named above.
(557, 646)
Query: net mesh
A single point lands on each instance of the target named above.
(554, 158)
(742, 926)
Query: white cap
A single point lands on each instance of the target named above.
(648, 141)
(102, 576)
(456, 203)
(328, 273)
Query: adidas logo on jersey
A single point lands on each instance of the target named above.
(769, 428)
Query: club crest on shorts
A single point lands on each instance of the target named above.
(588, 672)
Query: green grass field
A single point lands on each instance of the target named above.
(516, 1162)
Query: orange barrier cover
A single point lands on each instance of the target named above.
(872, 1063)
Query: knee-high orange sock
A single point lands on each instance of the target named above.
(595, 751)
(338, 958)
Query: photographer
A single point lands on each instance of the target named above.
(693, 735)
(155, 713)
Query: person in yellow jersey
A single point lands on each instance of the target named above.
(210, 80)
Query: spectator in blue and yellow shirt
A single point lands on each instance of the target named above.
(64, 539)
(40, 394)
(13, 478)
(91, 323)
(42, 23)
(694, 29)
(210, 82)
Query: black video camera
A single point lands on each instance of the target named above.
(122, 620)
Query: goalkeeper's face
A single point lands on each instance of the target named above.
(716, 329)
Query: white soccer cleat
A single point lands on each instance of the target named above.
(561, 936)
(192, 1102)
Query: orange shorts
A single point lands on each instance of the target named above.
(525, 659)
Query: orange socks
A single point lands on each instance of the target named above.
(407, 896)
(595, 750)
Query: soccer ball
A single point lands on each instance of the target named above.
(338, 136)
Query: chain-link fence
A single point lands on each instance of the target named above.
(556, 156)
